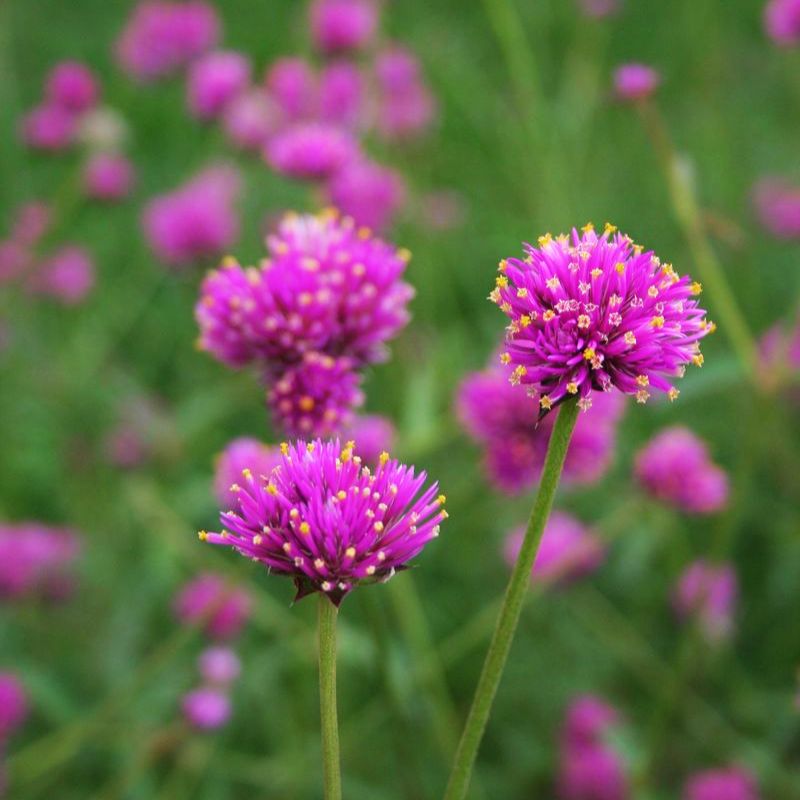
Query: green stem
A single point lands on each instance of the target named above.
(331, 776)
(512, 605)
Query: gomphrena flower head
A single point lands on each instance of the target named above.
(341, 94)
(707, 593)
(108, 177)
(48, 127)
(311, 151)
(728, 783)
(162, 36)
(72, 86)
(675, 467)
(67, 275)
(324, 519)
(503, 419)
(327, 286)
(592, 313)
(782, 21)
(316, 396)
(250, 119)
(635, 82)
(568, 550)
(207, 708)
(777, 204)
(219, 666)
(342, 25)
(222, 609)
(292, 85)
(240, 454)
(588, 720)
(215, 80)
(13, 704)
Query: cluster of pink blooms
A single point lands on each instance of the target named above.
(728, 783)
(706, 593)
(329, 521)
(633, 82)
(36, 560)
(317, 310)
(13, 713)
(591, 313)
(777, 204)
(196, 221)
(66, 274)
(222, 610)
(568, 550)
(589, 767)
(504, 420)
(675, 468)
(782, 22)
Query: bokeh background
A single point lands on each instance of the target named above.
(528, 138)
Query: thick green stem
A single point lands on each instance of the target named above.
(331, 775)
(508, 619)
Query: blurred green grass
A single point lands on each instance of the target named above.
(528, 153)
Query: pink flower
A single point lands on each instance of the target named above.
(372, 434)
(239, 455)
(341, 94)
(635, 81)
(219, 666)
(568, 550)
(222, 609)
(777, 204)
(72, 86)
(730, 783)
(67, 275)
(292, 84)
(588, 720)
(341, 25)
(782, 21)
(48, 127)
(406, 107)
(371, 194)
(31, 222)
(215, 80)
(311, 151)
(206, 709)
(108, 177)
(250, 119)
(596, 773)
(196, 221)
(708, 592)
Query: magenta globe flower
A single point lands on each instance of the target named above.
(568, 550)
(48, 127)
(31, 222)
(341, 94)
(503, 419)
(311, 151)
(238, 455)
(206, 709)
(777, 204)
(635, 82)
(406, 107)
(292, 84)
(219, 666)
(208, 599)
(730, 783)
(588, 720)
(342, 25)
(215, 80)
(779, 352)
(371, 194)
(250, 119)
(67, 275)
(13, 704)
(108, 177)
(675, 467)
(330, 523)
(782, 21)
(327, 286)
(590, 313)
(708, 592)
(72, 86)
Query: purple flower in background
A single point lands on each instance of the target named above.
(206, 709)
(292, 84)
(708, 592)
(779, 351)
(372, 435)
(219, 666)
(730, 783)
(222, 609)
(35, 559)
(239, 455)
(341, 94)
(600, 8)
(315, 397)
(250, 119)
(568, 550)
(214, 80)
(72, 86)
(311, 150)
(635, 81)
(161, 37)
(13, 704)
(331, 523)
(48, 127)
(196, 221)
(31, 223)
(371, 194)
(675, 467)
(588, 720)
(590, 313)
(342, 25)
(67, 275)
(777, 204)
(503, 419)
(406, 107)
(108, 177)
(327, 286)
(782, 21)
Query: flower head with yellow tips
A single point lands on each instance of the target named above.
(330, 522)
(599, 313)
